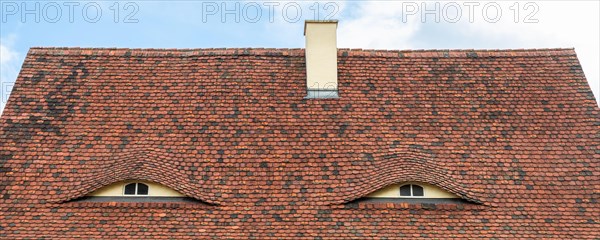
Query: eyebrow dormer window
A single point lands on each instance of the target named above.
(411, 190)
(136, 189)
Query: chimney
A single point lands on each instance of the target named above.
(321, 59)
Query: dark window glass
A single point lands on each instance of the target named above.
(417, 190)
(405, 191)
(130, 189)
(142, 189)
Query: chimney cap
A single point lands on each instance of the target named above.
(306, 22)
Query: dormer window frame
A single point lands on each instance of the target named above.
(412, 193)
(136, 190)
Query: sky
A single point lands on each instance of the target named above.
(279, 24)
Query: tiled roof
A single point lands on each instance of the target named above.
(515, 133)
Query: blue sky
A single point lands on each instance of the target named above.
(279, 24)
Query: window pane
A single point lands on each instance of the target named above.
(142, 189)
(417, 191)
(405, 191)
(130, 189)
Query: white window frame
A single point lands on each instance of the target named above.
(136, 190)
(411, 191)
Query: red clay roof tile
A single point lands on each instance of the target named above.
(516, 132)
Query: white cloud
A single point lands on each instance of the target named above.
(6, 54)
(377, 25)
(9, 68)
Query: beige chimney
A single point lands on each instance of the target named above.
(321, 59)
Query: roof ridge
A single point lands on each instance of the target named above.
(187, 52)
(460, 53)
